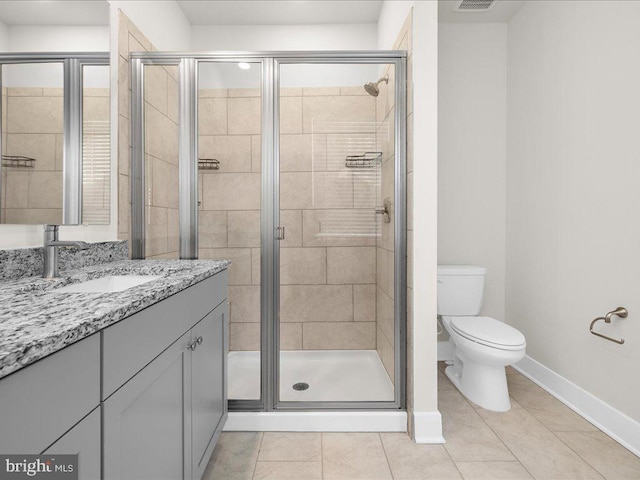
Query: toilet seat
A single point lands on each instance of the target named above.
(488, 331)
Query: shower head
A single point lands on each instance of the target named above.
(372, 88)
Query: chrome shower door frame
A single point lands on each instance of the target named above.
(270, 62)
(399, 60)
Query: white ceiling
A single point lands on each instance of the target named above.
(201, 12)
(501, 11)
(240, 12)
(74, 13)
(290, 12)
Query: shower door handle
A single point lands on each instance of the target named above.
(279, 233)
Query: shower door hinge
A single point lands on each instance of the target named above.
(279, 233)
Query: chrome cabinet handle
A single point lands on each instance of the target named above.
(193, 345)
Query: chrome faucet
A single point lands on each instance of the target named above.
(50, 250)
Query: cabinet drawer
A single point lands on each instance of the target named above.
(47, 398)
(135, 341)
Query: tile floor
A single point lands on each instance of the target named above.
(538, 438)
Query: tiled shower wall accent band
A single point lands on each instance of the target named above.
(328, 275)
(28, 262)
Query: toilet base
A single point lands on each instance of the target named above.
(484, 385)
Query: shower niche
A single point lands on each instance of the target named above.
(295, 170)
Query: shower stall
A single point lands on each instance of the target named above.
(292, 165)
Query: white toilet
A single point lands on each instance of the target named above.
(482, 346)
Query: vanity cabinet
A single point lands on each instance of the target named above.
(43, 401)
(145, 398)
(163, 422)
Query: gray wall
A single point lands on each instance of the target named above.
(472, 152)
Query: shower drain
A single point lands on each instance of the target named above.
(300, 386)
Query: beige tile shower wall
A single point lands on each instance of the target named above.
(161, 142)
(385, 114)
(385, 248)
(130, 39)
(328, 261)
(229, 198)
(33, 127)
(385, 314)
(405, 42)
(161, 162)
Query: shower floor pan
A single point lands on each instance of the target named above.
(332, 375)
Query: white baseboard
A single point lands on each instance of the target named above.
(427, 427)
(614, 423)
(316, 422)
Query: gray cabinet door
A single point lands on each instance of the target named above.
(82, 440)
(208, 386)
(144, 420)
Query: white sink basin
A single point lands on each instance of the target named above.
(108, 284)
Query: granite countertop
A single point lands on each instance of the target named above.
(36, 321)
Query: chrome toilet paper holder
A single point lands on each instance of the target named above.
(618, 312)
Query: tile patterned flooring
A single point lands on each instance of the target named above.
(538, 438)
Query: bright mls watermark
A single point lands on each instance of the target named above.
(49, 467)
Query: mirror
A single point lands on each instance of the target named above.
(96, 146)
(32, 139)
(55, 118)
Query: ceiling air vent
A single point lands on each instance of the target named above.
(473, 5)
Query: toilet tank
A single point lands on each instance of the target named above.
(460, 289)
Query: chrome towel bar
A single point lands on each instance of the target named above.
(618, 312)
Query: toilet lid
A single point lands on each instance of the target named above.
(489, 331)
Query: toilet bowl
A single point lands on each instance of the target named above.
(482, 346)
(478, 369)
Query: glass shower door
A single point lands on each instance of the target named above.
(301, 184)
(336, 316)
(229, 205)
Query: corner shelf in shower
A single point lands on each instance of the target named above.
(17, 161)
(366, 160)
(208, 164)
